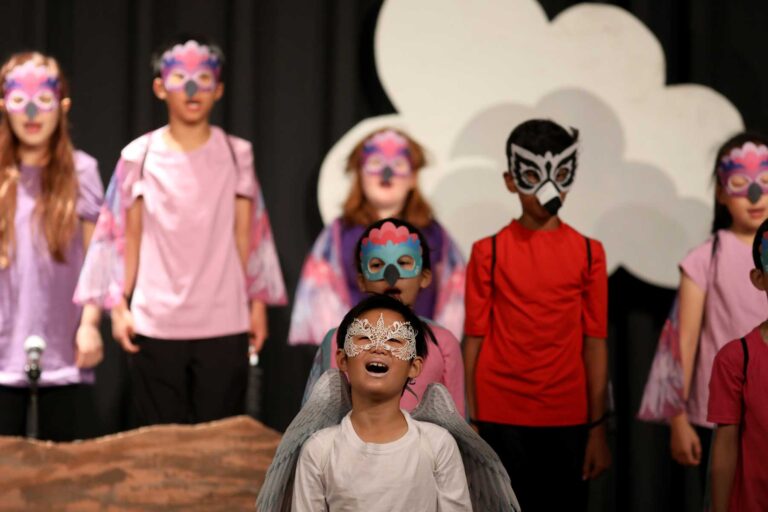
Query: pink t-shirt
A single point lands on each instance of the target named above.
(736, 400)
(190, 282)
(732, 308)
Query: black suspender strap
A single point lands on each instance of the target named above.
(746, 356)
(745, 349)
(493, 261)
(589, 255)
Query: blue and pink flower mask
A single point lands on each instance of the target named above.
(382, 253)
(31, 87)
(190, 67)
(744, 172)
(386, 154)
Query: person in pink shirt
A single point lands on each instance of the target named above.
(391, 259)
(738, 405)
(716, 303)
(184, 255)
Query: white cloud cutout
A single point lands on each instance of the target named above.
(462, 74)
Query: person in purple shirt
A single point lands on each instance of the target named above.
(50, 195)
(385, 166)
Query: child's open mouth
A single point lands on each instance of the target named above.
(393, 292)
(193, 105)
(756, 213)
(376, 368)
(32, 127)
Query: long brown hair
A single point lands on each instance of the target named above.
(357, 209)
(55, 208)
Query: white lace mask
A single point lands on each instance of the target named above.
(399, 338)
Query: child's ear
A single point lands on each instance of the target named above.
(159, 89)
(756, 276)
(2, 105)
(426, 278)
(361, 282)
(509, 181)
(341, 360)
(417, 363)
(219, 92)
(66, 104)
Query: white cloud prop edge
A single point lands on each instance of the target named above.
(447, 65)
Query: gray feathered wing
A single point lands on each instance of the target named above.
(329, 402)
(489, 485)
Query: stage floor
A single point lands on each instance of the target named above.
(212, 466)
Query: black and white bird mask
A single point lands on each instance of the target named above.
(545, 176)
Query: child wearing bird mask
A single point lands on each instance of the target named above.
(184, 255)
(535, 352)
(385, 167)
(50, 194)
(391, 260)
(715, 303)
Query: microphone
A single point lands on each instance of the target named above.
(34, 346)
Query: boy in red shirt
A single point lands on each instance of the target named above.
(535, 355)
(738, 406)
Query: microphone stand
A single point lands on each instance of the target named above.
(253, 392)
(33, 375)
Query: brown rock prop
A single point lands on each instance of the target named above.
(211, 466)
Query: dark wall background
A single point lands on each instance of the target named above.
(300, 74)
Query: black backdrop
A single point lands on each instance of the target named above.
(300, 74)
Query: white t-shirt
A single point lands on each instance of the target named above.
(338, 471)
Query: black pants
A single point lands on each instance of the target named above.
(543, 463)
(189, 381)
(65, 413)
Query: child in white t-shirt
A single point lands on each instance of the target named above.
(379, 458)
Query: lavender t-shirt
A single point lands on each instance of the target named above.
(733, 307)
(36, 291)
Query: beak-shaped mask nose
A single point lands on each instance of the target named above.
(190, 88)
(391, 275)
(31, 110)
(386, 175)
(754, 193)
(549, 197)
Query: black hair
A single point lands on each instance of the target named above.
(156, 60)
(723, 218)
(379, 301)
(426, 262)
(757, 243)
(539, 136)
